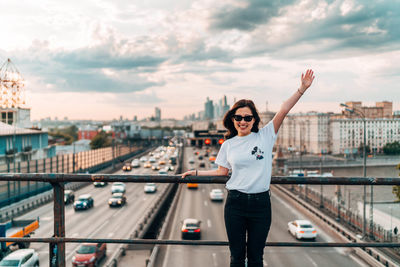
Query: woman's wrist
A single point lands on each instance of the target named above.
(301, 90)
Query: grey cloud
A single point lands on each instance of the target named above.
(82, 69)
(96, 58)
(247, 18)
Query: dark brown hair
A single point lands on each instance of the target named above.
(228, 123)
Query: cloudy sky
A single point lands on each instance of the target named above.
(96, 59)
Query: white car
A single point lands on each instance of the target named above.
(152, 160)
(135, 163)
(216, 195)
(21, 258)
(143, 159)
(150, 188)
(118, 187)
(302, 229)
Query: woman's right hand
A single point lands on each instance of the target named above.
(188, 173)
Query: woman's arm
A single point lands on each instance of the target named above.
(221, 171)
(306, 81)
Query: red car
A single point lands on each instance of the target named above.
(89, 254)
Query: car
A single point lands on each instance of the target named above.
(200, 157)
(69, 197)
(170, 168)
(89, 254)
(164, 171)
(143, 159)
(202, 165)
(155, 167)
(99, 184)
(191, 161)
(135, 163)
(302, 229)
(21, 258)
(212, 158)
(127, 167)
(118, 187)
(191, 229)
(216, 195)
(147, 165)
(152, 160)
(117, 199)
(150, 188)
(84, 202)
(192, 185)
(161, 162)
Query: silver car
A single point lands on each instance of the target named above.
(21, 258)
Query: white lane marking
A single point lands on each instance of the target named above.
(265, 263)
(310, 259)
(209, 223)
(215, 259)
(46, 218)
(205, 203)
(110, 234)
(75, 234)
(144, 199)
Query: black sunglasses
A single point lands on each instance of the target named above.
(240, 117)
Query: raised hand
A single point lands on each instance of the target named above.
(306, 80)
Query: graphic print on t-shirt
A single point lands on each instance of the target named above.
(258, 153)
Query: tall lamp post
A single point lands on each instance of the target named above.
(362, 116)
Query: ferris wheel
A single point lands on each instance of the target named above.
(12, 86)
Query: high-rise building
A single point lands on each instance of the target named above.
(208, 109)
(157, 116)
(225, 106)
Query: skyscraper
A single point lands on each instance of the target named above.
(208, 109)
(157, 116)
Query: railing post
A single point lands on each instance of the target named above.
(57, 250)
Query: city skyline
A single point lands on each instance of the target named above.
(128, 57)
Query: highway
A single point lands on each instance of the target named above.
(196, 204)
(98, 222)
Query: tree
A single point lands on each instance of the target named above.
(396, 188)
(392, 148)
(100, 140)
(361, 147)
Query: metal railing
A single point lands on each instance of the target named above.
(58, 240)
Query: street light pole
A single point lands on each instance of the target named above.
(362, 116)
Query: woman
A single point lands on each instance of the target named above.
(247, 151)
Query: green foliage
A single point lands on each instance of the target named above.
(69, 134)
(396, 188)
(396, 191)
(392, 148)
(361, 147)
(102, 139)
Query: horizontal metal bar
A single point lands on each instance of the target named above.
(61, 177)
(190, 242)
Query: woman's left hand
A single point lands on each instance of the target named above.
(306, 80)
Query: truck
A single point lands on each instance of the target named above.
(16, 228)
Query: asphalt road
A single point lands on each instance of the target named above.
(98, 222)
(196, 204)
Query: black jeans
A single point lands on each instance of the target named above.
(247, 214)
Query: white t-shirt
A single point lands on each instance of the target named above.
(250, 159)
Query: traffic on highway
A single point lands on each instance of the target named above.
(197, 205)
(112, 210)
(102, 210)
